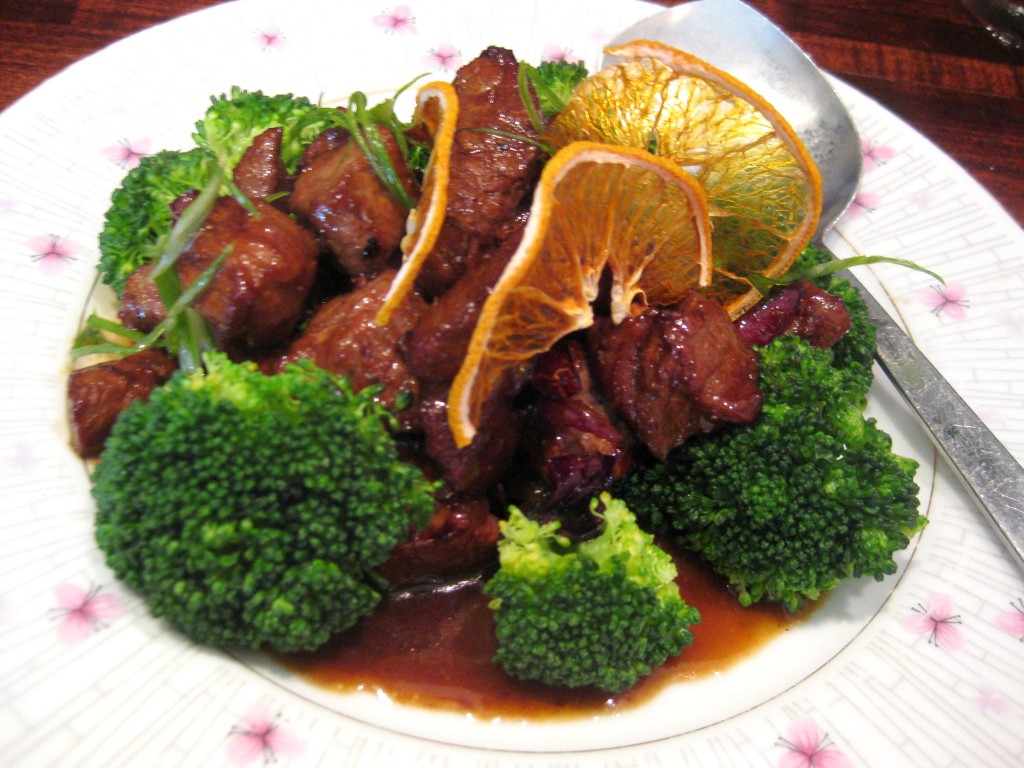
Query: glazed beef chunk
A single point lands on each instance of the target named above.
(142, 309)
(342, 338)
(260, 172)
(574, 446)
(491, 175)
(339, 196)
(460, 537)
(258, 295)
(99, 393)
(673, 372)
(472, 470)
(439, 341)
(802, 309)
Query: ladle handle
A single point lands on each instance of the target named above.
(986, 468)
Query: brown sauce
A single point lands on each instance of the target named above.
(434, 649)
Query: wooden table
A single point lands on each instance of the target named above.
(928, 61)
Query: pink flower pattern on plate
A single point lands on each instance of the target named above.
(1013, 621)
(83, 611)
(807, 747)
(399, 19)
(445, 57)
(127, 154)
(22, 458)
(936, 618)
(922, 199)
(260, 736)
(270, 37)
(1014, 321)
(949, 300)
(991, 700)
(557, 53)
(52, 252)
(875, 154)
(863, 203)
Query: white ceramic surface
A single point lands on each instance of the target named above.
(926, 668)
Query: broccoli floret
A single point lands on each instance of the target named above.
(854, 354)
(249, 510)
(554, 83)
(139, 214)
(233, 120)
(786, 508)
(603, 612)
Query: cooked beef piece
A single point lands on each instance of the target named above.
(562, 372)
(338, 195)
(260, 172)
(181, 202)
(672, 372)
(257, 296)
(328, 139)
(439, 341)
(461, 537)
(343, 338)
(491, 174)
(801, 308)
(474, 469)
(573, 442)
(142, 309)
(99, 393)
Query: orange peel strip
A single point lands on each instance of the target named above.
(595, 205)
(437, 109)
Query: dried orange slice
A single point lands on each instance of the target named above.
(595, 206)
(764, 189)
(437, 110)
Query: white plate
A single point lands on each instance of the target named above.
(926, 668)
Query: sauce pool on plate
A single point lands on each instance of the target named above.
(434, 649)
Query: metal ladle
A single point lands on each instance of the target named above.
(736, 38)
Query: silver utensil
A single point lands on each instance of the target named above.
(736, 38)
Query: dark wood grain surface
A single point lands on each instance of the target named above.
(927, 61)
